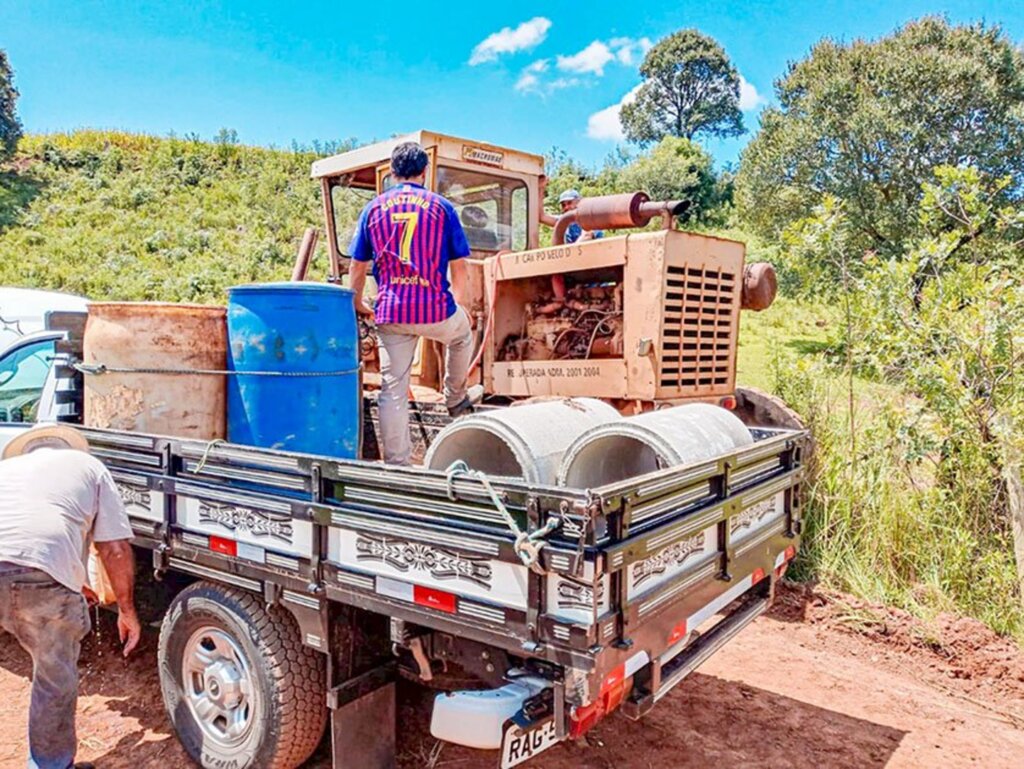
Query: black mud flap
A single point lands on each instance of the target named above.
(363, 721)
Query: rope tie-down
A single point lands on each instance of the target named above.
(527, 545)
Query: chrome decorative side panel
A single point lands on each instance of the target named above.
(430, 565)
(580, 601)
(141, 502)
(671, 561)
(755, 517)
(272, 530)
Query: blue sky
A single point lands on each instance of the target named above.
(526, 75)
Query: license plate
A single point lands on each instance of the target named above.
(519, 745)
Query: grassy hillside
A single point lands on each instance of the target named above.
(122, 216)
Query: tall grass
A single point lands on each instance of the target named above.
(879, 522)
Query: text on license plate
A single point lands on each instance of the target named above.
(518, 745)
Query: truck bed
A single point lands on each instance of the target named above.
(629, 574)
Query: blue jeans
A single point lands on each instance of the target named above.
(49, 621)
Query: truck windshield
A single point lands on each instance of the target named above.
(347, 203)
(22, 376)
(492, 209)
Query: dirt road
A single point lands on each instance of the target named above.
(821, 682)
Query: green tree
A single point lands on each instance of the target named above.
(690, 88)
(677, 169)
(866, 124)
(10, 126)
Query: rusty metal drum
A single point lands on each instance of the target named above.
(142, 362)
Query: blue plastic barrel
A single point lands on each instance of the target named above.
(295, 347)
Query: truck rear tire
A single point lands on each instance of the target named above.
(239, 686)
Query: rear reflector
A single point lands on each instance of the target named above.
(728, 402)
(434, 599)
(225, 546)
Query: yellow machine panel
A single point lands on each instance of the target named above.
(645, 316)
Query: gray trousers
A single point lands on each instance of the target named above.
(397, 351)
(49, 621)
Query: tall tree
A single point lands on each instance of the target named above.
(10, 126)
(868, 122)
(690, 88)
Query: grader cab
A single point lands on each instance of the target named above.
(638, 319)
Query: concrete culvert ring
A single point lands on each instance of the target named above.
(482, 450)
(525, 442)
(651, 441)
(610, 458)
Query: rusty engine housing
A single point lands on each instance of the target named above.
(646, 316)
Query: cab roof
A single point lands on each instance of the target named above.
(446, 148)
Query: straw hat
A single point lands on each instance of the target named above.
(52, 435)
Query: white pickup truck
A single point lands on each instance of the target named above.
(26, 354)
(302, 586)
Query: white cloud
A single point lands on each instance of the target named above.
(750, 99)
(627, 50)
(528, 80)
(591, 59)
(606, 125)
(525, 37)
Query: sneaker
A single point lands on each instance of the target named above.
(461, 409)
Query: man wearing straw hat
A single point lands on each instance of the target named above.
(56, 499)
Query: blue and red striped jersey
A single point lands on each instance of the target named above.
(410, 234)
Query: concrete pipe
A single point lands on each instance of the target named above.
(525, 441)
(647, 442)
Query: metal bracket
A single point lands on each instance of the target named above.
(422, 661)
(272, 593)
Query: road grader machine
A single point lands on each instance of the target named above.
(642, 319)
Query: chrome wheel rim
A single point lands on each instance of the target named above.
(218, 686)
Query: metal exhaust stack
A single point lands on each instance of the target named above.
(648, 442)
(525, 441)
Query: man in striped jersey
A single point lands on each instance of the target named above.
(412, 236)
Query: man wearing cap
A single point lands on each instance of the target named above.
(570, 201)
(412, 236)
(56, 500)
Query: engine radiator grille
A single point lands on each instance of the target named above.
(698, 329)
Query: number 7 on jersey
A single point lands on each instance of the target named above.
(408, 220)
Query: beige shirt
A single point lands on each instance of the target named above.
(53, 503)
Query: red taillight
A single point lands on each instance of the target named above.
(434, 599)
(613, 698)
(225, 546)
(678, 633)
(757, 576)
(583, 719)
(728, 402)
